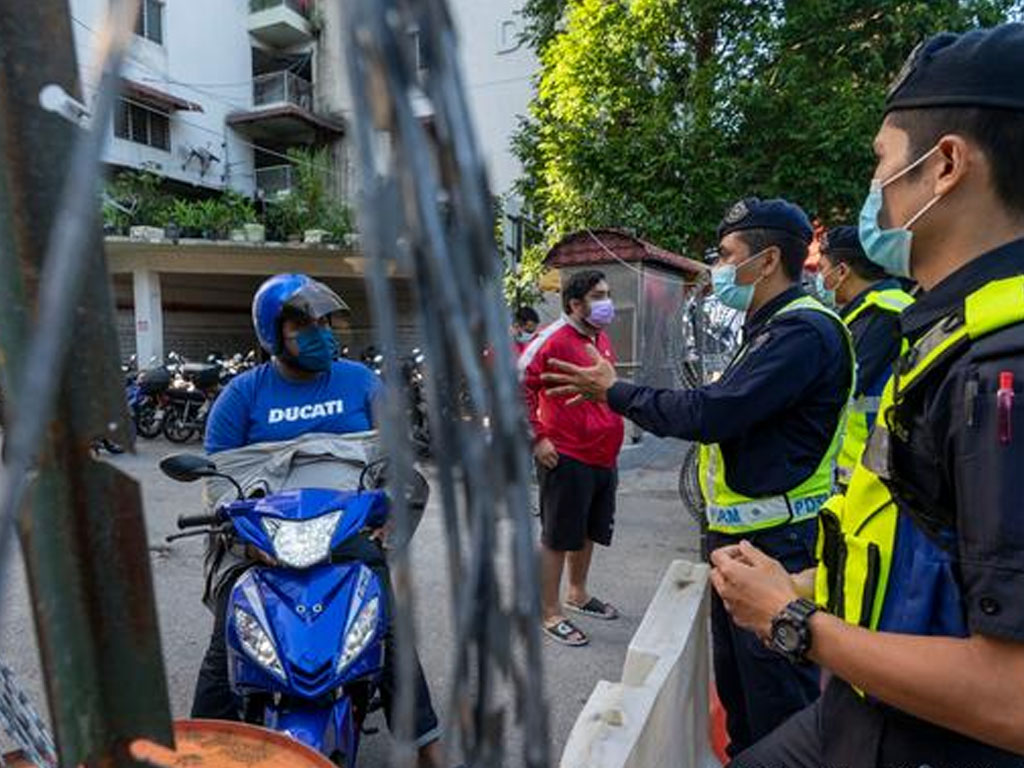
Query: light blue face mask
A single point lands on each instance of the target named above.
(725, 288)
(890, 248)
(826, 295)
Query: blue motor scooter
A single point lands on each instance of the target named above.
(305, 634)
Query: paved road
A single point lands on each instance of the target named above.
(651, 530)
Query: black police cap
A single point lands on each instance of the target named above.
(753, 213)
(842, 239)
(980, 68)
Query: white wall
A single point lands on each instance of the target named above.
(205, 58)
(497, 73)
(332, 93)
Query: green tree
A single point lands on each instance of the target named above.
(820, 98)
(543, 20)
(655, 115)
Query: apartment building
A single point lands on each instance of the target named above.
(214, 94)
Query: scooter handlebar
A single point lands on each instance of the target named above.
(194, 521)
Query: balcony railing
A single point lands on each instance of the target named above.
(282, 87)
(274, 180)
(299, 6)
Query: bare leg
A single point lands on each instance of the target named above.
(430, 755)
(579, 567)
(551, 563)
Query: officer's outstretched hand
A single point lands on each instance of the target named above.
(580, 383)
(753, 586)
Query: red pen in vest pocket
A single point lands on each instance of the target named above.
(1004, 402)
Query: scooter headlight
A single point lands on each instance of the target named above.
(257, 642)
(302, 543)
(360, 633)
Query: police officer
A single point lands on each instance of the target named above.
(769, 429)
(869, 301)
(922, 571)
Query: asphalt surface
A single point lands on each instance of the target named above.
(651, 530)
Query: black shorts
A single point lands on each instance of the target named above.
(577, 502)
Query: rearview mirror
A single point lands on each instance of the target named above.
(187, 467)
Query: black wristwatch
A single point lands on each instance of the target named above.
(791, 632)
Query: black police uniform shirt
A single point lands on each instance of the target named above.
(876, 337)
(952, 474)
(773, 412)
(950, 469)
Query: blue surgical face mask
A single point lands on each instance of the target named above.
(826, 295)
(890, 248)
(725, 288)
(317, 349)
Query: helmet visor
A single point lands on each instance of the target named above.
(315, 300)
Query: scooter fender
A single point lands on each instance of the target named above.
(325, 729)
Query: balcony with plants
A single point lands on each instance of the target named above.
(140, 205)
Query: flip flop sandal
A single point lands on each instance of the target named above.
(595, 608)
(566, 633)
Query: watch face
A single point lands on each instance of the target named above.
(787, 637)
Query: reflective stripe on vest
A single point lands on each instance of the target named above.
(894, 301)
(891, 300)
(733, 513)
(857, 533)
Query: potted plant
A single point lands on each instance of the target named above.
(254, 232)
(286, 218)
(241, 213)
(183, 213)
(220, 218)
(338, 222)
(116, 219)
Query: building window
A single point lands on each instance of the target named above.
(150, 23)
(141, 125)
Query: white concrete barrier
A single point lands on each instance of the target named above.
(657, 717)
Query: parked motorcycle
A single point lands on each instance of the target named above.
(305, 636)
(373, 360)
(148, 400)
(414, 380)
(412, 370)
(193, 389)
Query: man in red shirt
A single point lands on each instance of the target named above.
(576, 447)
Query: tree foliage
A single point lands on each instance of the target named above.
(655, 115)
(543, 20)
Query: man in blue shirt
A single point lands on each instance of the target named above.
(301, 390)
(275, 402)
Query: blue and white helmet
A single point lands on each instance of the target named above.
(300, 295)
